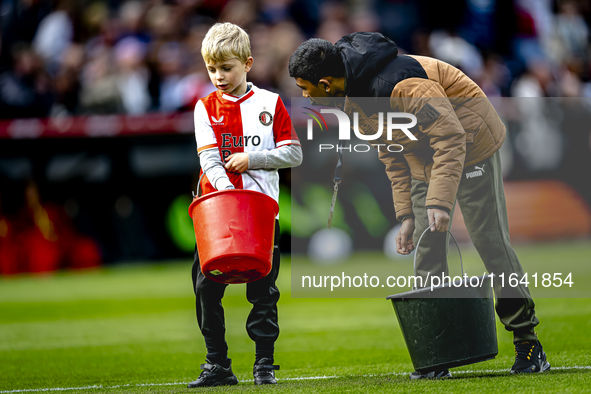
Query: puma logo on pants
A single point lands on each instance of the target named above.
(479, 172)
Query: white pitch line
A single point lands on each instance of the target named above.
(579, 367)
(54, 389)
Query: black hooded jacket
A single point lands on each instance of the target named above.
(372, 65)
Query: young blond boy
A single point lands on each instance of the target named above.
(239, 128)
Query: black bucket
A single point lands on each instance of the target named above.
(448, 326)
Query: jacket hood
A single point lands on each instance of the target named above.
(364, 54)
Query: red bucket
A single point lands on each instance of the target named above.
(234, 230)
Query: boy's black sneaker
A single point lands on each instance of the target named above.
(215, 375)
(431, 375)
(264, 372)
(529, 358)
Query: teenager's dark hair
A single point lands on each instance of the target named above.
(315, 59)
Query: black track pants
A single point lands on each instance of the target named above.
(481, 198)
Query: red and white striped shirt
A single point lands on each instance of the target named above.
(255, 122)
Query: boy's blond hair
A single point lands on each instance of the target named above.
(225, 41)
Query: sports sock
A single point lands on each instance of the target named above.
(264, 350)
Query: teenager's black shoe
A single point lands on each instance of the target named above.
(215, 375)
(264, 372)
(431, 375)
(529, 358)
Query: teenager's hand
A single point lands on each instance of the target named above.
(404, 244)
(237, 162)
(440, 217)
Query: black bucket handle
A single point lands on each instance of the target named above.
(201, 177)
(417, 251)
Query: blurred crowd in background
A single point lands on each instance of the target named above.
(63, 58)
(73, 57)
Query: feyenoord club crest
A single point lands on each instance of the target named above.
(266, 118)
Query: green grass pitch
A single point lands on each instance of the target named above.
(132, 329)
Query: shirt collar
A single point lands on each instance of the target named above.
(238, 99)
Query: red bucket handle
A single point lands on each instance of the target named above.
(199, 191)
